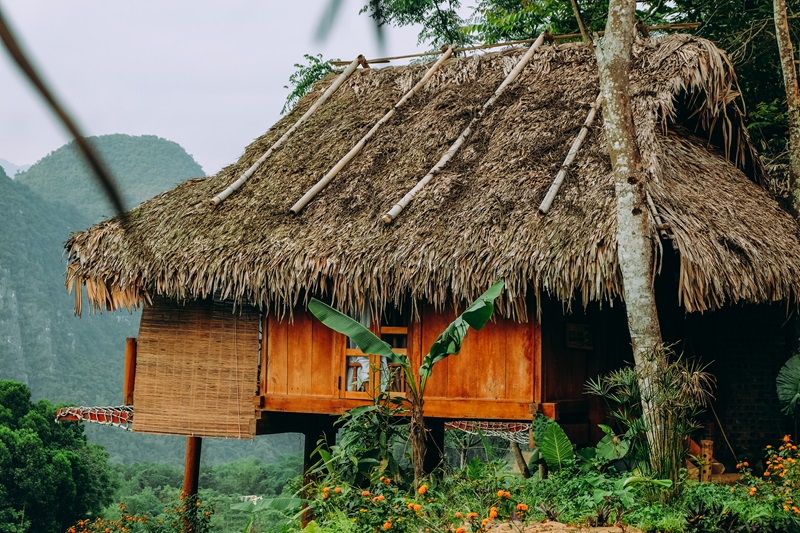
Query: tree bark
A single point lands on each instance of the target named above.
(576, 10)
(634, 245)
(418, 438)
(786, 53)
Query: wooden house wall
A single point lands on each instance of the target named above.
(196, 370)
(494, 377)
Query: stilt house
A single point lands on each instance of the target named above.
(398, 194)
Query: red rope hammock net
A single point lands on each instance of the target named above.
(119, 416)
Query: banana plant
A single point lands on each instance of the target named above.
(447, 343)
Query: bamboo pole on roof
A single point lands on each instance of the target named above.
(218, 199)
(313, 191)
(677, 26)
(573, 152)
(521, 64)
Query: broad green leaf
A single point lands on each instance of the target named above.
(540, 425)
(556, 448)
(367, 342)
(788, 385)
(450, 340)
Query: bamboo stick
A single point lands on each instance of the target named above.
(706, 458)
(313, 191)
(250, 171)
(573, 152)
(521, 64)
(678, 26)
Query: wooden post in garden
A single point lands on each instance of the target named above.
(706, 458)
(435, 445)
(130, 370)
(316, 430)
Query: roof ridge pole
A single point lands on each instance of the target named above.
(573, 152)
(250, 171)
(521, 64)
(313, 191)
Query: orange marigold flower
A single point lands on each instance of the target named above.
(752, 491)
(522, 507)
(470, 516)
(461, 530)
(337, 490)
(381, 498)
(387, 525)
(388, 480)
(417, 507)
(365, 493)
(459, 515)
(324, 495)
(326, 489)
(766, 474)
(746, 464)
(500, 493)
(786, 438)
(493, 513)
(423, 489)
(362, 510)
(484, 521)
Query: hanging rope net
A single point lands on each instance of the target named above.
(119, 416)
(510, 431)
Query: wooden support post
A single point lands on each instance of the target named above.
(434, 449)
(130, 371)
(191, 471)
(706, 459)
(318, 428)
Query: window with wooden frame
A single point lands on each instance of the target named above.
(368, 375)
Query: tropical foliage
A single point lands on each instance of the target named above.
(49, 475)
(447, 343)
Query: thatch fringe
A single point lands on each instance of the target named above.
(478, 221)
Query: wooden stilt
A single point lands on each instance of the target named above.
(130, 370)
(319, 427)
(435, 446)
(191, 471)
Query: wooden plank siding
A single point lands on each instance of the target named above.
(302, 357)
(496, 375)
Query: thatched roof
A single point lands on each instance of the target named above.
(477, 221)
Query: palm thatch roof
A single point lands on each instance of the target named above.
(477, 220)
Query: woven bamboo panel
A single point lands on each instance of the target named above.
(196, 369)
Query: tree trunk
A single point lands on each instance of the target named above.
(576, 10)
(634, 244)
(417, 434)
(786, 53)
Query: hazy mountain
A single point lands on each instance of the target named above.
(10, 168)
(80, 360)
(143, 166)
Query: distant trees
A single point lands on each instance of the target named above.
(49, 475)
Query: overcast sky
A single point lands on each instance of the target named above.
(207, 74)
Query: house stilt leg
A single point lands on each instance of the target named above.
(434, 452)
(318, 427)
(191, 471)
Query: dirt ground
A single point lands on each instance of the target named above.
(556, 527)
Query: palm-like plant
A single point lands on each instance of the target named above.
(447, 343)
